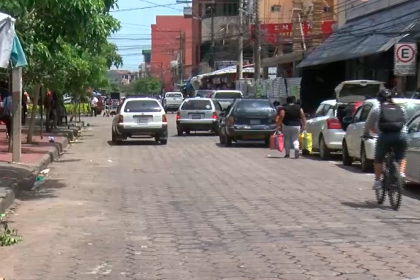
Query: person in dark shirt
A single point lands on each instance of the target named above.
(291, 120)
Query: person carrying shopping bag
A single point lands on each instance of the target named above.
(291, 121)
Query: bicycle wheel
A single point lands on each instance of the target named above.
(395, 186)
(380, 193)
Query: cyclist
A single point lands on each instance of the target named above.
(388, 122)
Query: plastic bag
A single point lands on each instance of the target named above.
(276, 142)
(305, 142)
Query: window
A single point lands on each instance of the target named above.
(142, 106)
(254, 105)
(411, 109)
(217, 106)
(196, 104)
(275, 8)
(173, 95)
(365, 112)
(322, 110)
(414, 125)
(356, 117)
(228, 95)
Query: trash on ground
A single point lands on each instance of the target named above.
(51, 139)
(45, 171)
(109, 160)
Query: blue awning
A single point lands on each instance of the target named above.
(367, 35)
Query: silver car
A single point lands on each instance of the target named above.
(198, 114)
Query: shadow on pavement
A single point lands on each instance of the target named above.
(46, 190)
(135, 143)
(243, 145)
(68, 160)
(365, 205)
(412, 190)
(193, 134)
(354, 168)
(315, 156)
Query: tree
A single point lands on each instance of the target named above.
(61, 40)
(147, 85)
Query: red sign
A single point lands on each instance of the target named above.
(279, 32)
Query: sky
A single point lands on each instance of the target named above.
(136, 16)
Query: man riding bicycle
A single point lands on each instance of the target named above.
(389, 123)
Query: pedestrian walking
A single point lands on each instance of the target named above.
(291, 121)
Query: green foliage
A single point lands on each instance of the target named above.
(66, 42)
(84, 108)
(8, 237)
(146, 85)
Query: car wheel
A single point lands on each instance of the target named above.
(365, 163)
(228, 141)
(188, 132)
(179, 132)
(216, 132)
(222, 139)
(347, 160)
(164, 142)
(113, 137)
(267, 142)
(324, 152)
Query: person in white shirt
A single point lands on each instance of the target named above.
(93, 104)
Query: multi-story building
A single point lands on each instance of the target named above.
(121, 77)
(172, 49)
(215, 22)
(145, 68)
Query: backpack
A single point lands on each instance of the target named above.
(7, 109)
(391, 118)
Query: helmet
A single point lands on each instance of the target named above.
(384, 95)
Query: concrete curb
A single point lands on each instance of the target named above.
(27, 182)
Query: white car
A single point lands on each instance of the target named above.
(139, 118)
(327, 135)
(326, 126)
(356, 148)
(172, 101)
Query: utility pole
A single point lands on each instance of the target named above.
(239, 70)
(181, 56)
(213, 6)
(257, 44)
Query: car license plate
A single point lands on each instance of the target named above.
(196, 117)
(253, 137)
(142, 121)
(255, 122)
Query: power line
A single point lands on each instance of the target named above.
(144, 8)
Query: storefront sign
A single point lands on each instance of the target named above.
(274, 33)
(405, 62)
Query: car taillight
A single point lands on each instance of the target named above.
(120, 119)
(355, 106)
(164, 119)
(231, 121)
(214, 116)
(178, 116)
(333, 123)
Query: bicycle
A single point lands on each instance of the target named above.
(392, 182)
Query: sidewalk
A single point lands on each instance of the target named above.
(35, 157)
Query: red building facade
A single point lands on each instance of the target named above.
(171, 37)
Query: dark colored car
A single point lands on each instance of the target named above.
(248, 119)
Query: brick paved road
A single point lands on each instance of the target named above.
(192, 210)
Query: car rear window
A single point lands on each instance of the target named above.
(228, 95)
(204, 93)
(411, 109)
(245, 106)
(173, 95)
(368, 91)
(142, 106)
(196, 105)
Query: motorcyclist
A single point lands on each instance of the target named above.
(388, 121)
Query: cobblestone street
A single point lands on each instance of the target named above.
(193, 210)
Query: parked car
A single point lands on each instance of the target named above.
(413, 151)
(226, 97)
(248, 119)
(140, 117)
(356, 148)
(206, 93)
(198, 114)
(327, 126)
(172, 101)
